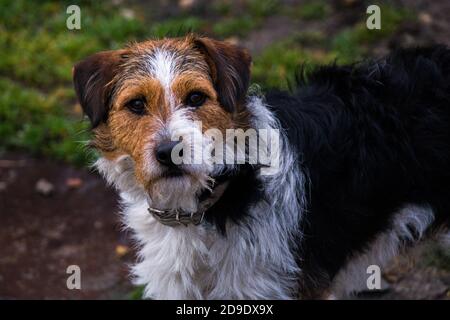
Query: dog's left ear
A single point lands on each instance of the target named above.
(230, 70)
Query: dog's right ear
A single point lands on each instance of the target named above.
(92, 80)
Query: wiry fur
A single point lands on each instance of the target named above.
(372, 139)
(183, 193)
(364, 158)
(198, 262)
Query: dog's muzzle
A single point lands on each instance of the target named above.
(174, 218)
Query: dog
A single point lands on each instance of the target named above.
(363, 169)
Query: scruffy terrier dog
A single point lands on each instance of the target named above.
(363, 167)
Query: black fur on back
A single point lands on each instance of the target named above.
(371, 138)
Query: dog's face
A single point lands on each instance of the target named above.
(141, 98)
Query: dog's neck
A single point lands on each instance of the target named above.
(244, 188)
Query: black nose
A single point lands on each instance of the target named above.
(164, 153)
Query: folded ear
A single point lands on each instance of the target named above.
(92, 80)
(230, 70)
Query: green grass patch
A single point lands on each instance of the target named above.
(311, 38)
(40, 123)
(37, 53)
(222, 7)
(240, 24)
(277, 65)
(311, 10)
(262, 8)
(177, 27)
(136, 294)
(235, 26)
(352, 43)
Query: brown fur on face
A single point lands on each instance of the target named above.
(163, 73)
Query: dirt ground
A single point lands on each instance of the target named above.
(41, 235)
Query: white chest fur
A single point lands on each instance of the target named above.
(196, 262)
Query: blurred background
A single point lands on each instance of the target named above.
(55, 211)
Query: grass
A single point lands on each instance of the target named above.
(312, 10)
(252, 15)
(37, 52)
(262, 8)
(136, 294)
(277, 65)
(177, 26)
(38, 109)
(235, 26)
(37, 122)
(353, 43)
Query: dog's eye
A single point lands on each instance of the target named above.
(195, 99)
(136, 106)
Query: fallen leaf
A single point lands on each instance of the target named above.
(121, 250)
(74, 183)
(425, 18)
(186, 4)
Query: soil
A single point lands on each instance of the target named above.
(41, 235)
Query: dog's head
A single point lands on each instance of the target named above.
(145, 98)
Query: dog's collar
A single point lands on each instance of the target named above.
(174, 218)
